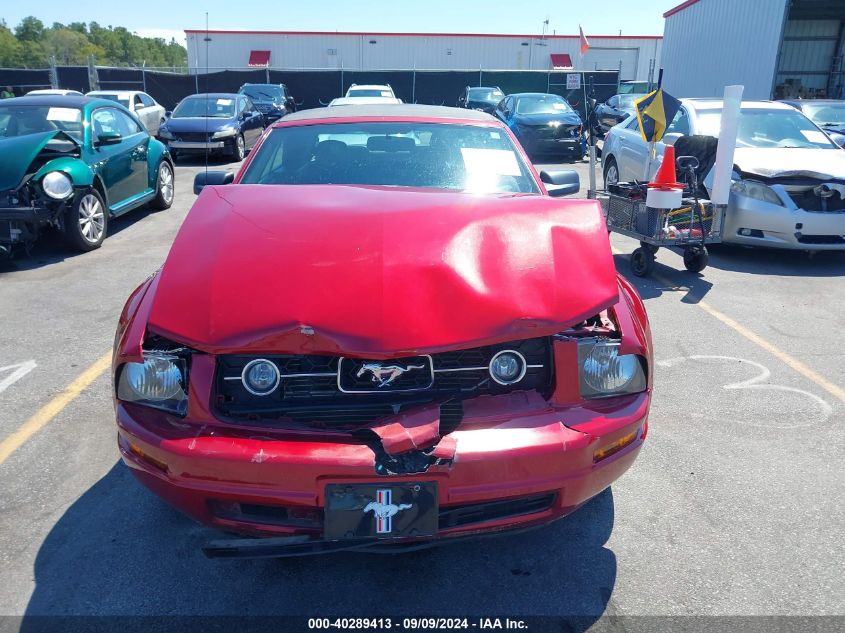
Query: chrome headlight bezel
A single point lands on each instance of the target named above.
(599, 360)
(756, 190)
(57, 185)
(160, 382)
(521, 367)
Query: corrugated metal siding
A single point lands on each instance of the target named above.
(807, 53)
(381, 52)
(714, 43)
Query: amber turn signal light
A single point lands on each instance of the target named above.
(140, 454)
(611, 449)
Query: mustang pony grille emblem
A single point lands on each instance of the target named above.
(383, 375)
(384, 510)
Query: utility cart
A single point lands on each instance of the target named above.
(689, 228)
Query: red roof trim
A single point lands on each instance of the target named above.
(680, 8)
(522, 36)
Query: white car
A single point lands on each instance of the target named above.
(356, 91)
(55, 91)
(347, 101)
(148, 111)
(789, 180)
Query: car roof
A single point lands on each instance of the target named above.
(67, 101)
(535, 94)
(263, 84)
(96, 93)
(371, 87)
(216, 95)
(397, 111)
(717, 104)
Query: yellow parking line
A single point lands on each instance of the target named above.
(45, 414)
(832, 388)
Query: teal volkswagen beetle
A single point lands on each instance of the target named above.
(74, 163)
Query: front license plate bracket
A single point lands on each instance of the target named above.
(383, 510)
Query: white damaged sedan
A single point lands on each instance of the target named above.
(789, 177)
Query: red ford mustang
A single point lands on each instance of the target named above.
(384, 332)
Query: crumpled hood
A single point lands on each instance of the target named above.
(377, 272)
(823, 164)
(18, 152)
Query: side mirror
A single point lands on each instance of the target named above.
(168, 113)
(669, 139)
(566, 182)
(109, 138)
(212, 178)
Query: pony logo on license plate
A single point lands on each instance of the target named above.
(384, 510)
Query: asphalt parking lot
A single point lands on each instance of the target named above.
(733, 508)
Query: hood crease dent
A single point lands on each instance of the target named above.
(376, 272)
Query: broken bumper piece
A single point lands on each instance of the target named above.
(515, 461)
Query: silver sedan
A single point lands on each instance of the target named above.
(148, 110)
(789, 180)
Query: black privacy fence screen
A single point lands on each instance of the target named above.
(315, 88)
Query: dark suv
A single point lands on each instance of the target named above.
(272, 100)
(481, 98)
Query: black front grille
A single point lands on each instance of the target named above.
(310, 389)
(450, 516)
(194, 137)
(821, 239)
(457, 516)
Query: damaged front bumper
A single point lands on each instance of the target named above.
(20, 225)
(515, 461)
(753, 222)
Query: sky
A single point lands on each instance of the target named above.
(166, 18)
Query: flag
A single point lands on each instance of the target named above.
(655, 112)
(584, 43)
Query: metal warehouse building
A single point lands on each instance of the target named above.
(636, 57)
(775, 48)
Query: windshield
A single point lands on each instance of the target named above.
(827, 114)
(124, 101)
(263, 93)
(216, 107)
(368, 92)
(20, 120)
(767, 128)
(485, 94)
(471, 158)
(626, 102)
(542, 104)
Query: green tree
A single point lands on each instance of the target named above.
(30, 29)
(70, 47)
(10, 49)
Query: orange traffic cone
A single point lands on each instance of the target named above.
(664, 192)
(665, 178)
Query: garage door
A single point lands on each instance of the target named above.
(610, 58)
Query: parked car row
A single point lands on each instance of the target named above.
(545, 124)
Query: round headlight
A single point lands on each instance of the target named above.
(606, 371)
(260, 377)
(56, 184)
(157, 378)
(507, 367)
